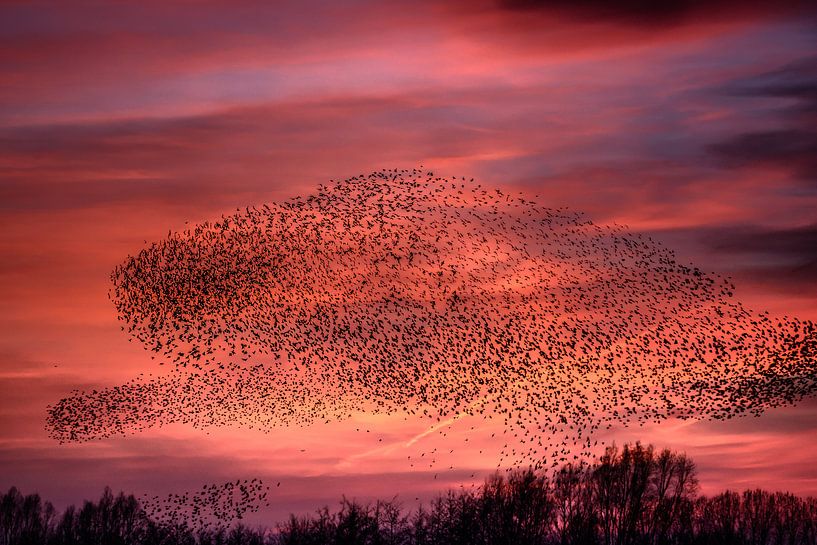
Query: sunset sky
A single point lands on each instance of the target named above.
(695, 123)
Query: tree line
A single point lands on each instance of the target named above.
(632, 496)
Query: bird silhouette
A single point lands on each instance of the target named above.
(402, 292)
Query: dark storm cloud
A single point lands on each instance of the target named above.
(671, 12)
(794, 149)
(799, 242)
(793, 145)
(797, 80)
(782, 258)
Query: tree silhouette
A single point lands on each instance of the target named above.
(632, 496)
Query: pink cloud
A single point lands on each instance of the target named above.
(120, 126)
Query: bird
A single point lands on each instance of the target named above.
(403, 292)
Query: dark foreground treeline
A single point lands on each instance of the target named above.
(633, 496)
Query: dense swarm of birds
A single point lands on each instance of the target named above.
(211, 507)
(404, 292)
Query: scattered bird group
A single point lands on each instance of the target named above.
(212, 506)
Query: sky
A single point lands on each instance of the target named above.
(120, 121)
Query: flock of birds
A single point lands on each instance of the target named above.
(211, 507)
(402, 292)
